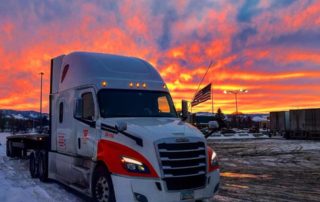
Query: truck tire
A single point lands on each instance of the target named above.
(8, 149)
(33, 167)
(17, 152)
(102, 188)
(13, 151)
(287, 135)
(43, 166)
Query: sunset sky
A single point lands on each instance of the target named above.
(271, 48)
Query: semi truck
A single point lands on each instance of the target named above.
(298, 123)
(115, 134)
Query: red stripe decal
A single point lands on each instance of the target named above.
(111, 152)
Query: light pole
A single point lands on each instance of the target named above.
(41, 75)
(236, 92)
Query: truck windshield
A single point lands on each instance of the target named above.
(135, 103)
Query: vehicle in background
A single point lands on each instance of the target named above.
(299, 123)
(115, 134)
(201, 119)
(279, 122)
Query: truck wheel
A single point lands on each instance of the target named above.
(8, 149)
(287, 135)
(43, 166)
(33, 166)
(17, 152)
(102, 187)
(14, 152)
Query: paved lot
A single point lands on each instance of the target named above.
(268, 170)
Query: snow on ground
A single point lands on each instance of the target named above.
(268, 169)
(16, 184)
(288, 169)
(238, 135)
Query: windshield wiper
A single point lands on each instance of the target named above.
(112, 129)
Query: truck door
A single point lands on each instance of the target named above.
(86, 125)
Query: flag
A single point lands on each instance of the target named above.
(203, 95)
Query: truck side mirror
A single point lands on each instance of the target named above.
(184, 109)
(213, 125)
(79, 108)
(121, 126)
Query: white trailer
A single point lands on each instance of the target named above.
(279, 122)
(115, 134)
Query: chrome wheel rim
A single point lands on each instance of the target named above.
(102, 190)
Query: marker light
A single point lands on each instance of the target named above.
(214, 159)
(137, 85)
(164, 86)
(144, 85)
(104, 83)
(131, 84)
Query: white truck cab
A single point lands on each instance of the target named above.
(115, 134)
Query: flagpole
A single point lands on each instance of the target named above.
(202, 79)
(212, 100)
(199, 85)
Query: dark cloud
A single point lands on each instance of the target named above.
(282, 3)
(164, 40)
(198, 7)
(239, 41)
(303, 38)
(248, 10)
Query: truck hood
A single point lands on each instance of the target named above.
(152, 129)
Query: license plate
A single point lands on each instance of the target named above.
(187, 195)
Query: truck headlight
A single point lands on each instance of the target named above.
(214, 159)
(133, 165)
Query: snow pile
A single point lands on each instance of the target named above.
(33, 115)
(260, 118)
(18, 116)
(238, 135)
(16, 184)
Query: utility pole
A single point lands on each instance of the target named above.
(236, 99)
(236, 92)
(41, 75)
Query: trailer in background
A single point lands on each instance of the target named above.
(20, 145)
(279, 122)
(304, 123)
(299, 123)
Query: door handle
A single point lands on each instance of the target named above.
(79, 143)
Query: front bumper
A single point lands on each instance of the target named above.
(126, 187)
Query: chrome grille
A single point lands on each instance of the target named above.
(183, 164)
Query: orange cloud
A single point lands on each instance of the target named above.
(179, 39)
